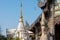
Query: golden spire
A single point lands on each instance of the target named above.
(21, 17)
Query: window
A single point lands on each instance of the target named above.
(56, 7)
(57, 12)
(59, 4)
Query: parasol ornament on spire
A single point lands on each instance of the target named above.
(21, 17)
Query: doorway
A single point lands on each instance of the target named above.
(57, 31)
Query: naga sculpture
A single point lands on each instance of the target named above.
(44, 5)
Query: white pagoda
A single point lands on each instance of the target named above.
(20, 32)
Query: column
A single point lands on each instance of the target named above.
(51, 23)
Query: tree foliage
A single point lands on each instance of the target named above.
(9, 37)
(17, 38)
(3, 37)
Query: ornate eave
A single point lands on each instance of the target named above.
(35, 24)
(37, 21)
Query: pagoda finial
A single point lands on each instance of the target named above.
(21, 17)
(21, 10)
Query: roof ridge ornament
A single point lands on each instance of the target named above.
(42, 2)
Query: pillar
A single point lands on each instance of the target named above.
(51, 23)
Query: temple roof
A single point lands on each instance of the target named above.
(36, 22)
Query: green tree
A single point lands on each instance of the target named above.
(17, 38)
(3, 37)
(10, 37)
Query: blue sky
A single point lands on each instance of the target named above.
(10, 13)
